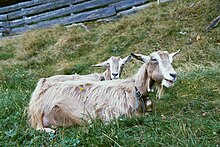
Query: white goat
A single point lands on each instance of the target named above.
(114, 66)
(164, 66)
(76, 102)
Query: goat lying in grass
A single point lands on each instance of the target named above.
(114, 67)
(76, 102)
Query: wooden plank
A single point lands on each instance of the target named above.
(62, 11)
(3, 17)
(127, 12)
(134, 9)
(93, 4)
(108, 19)
(41, 8)
(23, 5)
(137, 8)
(93, 15)
(163, 1)
(42, 17)
(86, 16)
(141, 2)
(128, 4)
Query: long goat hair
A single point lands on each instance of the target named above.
(75, 102)
(114, 66)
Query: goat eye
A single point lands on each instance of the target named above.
(153, 59)
(108, 64)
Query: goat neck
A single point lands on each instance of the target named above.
(141, 80)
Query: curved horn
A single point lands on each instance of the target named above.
(141, 57)
(126, 59)
(173, 56)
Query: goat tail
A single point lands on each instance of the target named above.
(35, 112)
(38, 90)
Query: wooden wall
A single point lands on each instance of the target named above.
(25, 16)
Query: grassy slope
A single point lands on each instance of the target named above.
(59, 50)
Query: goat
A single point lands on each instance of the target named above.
(114, 66)
(76, 102)
(163, 63)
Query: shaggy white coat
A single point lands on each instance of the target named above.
(75, 102)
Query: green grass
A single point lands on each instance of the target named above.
(191, 108)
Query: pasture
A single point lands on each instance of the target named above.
(188, 114)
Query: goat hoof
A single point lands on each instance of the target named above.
(48, 130)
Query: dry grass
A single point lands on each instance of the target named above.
(190, 108)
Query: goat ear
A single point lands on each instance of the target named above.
(126, 59)
(173, 56)
(103, 64)
(140, 57)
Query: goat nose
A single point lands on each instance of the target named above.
(114, 74)
(173, 75)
